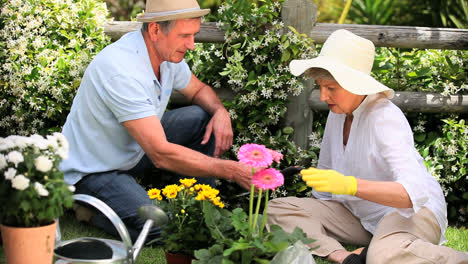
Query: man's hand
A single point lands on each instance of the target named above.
(329, 181)
(220, 126)
(243, 176)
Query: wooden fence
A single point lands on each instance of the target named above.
(302, 15)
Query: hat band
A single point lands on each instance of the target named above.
(165, 13)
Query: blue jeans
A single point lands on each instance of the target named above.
(119, 190)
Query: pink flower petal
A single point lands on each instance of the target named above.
(268, 179)
(255, 155)
(276, 155)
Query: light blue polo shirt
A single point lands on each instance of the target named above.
(118, 85)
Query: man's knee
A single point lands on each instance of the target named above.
(196, 116)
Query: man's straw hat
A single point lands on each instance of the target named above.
(164, 10)
(349, 59)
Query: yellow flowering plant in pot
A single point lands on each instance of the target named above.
(186, 231)
(33, 194)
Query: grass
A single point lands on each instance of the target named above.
(457, 239)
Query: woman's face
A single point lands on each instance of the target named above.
(339, 100)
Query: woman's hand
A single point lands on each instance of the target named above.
(329, 181)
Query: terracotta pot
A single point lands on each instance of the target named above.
(29, 244)
(174, 258)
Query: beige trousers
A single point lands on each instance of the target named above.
(397, 239)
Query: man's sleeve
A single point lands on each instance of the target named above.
(127, 98)
(182, 75)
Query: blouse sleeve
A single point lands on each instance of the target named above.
(394, 143)
(324, 161)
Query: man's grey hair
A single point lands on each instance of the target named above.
(166, 26)
(319, 73)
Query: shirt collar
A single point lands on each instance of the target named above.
(369, 99)
(141, 49)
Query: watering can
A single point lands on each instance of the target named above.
(96, 250)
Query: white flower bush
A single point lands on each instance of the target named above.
(32, 189)
(45, 47)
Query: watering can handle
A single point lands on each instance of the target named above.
(111, 215)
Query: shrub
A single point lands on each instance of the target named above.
(45, 47)
(441, 71)
(253, 62)
(445, 153)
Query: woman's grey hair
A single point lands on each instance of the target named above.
(319, 73)
(166, 26)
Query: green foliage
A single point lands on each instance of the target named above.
(45, 48)
(32, 190)
(446, 157)
(234, 244)
(186, 230)
(442, 71)
(371, 12)
(449, 13)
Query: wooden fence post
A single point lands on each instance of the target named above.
(302, 15)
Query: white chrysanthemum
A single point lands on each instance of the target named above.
(3, 162)
(39, 141)
(52, 141)
(10, 174)
(64, 146)
(6, 143)
(41, 189)
(43, 163)
(71, 188)
(20, 182)
(15, 157)
(22, 142)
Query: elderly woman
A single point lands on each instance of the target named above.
(387, 202)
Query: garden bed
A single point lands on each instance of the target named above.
(71, 228)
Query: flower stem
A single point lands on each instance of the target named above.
(251, 208)
(264, 213)
(259, 199)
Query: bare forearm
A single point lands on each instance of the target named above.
(208, 100)
(183, 160)
(386, 193)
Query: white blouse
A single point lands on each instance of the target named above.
(380, 147)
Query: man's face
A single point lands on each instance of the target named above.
(172, 46)
(339, 100)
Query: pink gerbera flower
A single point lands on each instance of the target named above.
(277, 157)
(268, 179)
(255, 155)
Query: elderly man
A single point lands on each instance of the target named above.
(118, 126)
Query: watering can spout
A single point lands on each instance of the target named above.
(154, 217)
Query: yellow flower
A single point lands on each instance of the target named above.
(182, 211)
(154, 193)
(200, 197)
(188, 182)
(159, 197)
(210, 193)
(170, 191)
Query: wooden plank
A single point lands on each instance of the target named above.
(400, 37)
(382, 36)
(301, 14)
(421, 102)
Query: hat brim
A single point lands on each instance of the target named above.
(350, 79)
(148, 17)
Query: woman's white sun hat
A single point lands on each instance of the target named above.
(164, 10)
(349, 59)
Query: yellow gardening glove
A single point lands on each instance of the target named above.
(329, 181)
